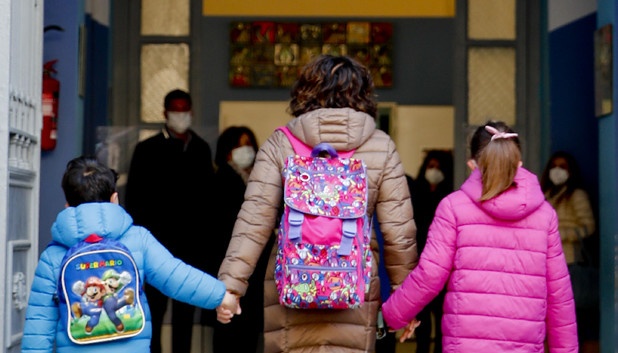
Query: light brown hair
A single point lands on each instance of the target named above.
(497, 159)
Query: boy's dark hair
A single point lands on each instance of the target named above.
(176, 94)
(333, 82)
(87, 180)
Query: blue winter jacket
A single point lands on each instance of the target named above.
(157, 266)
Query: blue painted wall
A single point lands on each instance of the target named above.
(608, 190)
(97, 74)
(573, 125)
(81, 108)
(63, 46)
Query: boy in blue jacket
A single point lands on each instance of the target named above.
(92, 208)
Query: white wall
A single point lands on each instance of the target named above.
(262, 117)
(421, 128)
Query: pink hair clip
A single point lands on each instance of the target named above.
(497, 134)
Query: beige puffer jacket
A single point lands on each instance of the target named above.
(575, 221)
(294, 330)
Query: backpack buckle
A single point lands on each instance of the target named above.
(295, 220)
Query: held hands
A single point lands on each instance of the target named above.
(408, 331)
(229, 306)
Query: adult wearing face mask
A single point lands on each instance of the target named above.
(433, 182)
(234, 158)
(563, 186)
(169, 192)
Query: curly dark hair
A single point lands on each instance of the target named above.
(333, 82)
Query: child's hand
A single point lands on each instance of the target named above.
(224, 316)
(229, 306)
(408, 331)
(231, 302)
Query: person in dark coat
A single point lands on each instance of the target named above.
(236, 150)
(433, 182)
(169, 192)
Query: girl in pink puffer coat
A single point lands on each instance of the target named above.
(495, 245)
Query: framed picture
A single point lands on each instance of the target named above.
(270, 54)
(240, 32)
(359, 32)
(603, 71)
(334, 33)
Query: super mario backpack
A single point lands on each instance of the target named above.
(324, 255)
(99, 292)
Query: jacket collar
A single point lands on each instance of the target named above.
(513, 204)
(344, 128)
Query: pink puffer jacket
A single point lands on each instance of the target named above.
(508, 288)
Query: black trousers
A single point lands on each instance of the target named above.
(387, 344)
(423, 332)
(182, 321)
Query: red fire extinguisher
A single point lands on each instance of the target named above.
(49, 106)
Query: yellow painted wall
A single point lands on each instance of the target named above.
(330, 8)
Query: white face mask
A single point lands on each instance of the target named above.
(243, 156)
(434, 176)
(179, 121)
(558, 176)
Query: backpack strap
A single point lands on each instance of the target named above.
(299, 146)
(348, 228)
(295, 218)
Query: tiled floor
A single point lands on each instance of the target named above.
(406, 347)
(202, 337)
(201, 341)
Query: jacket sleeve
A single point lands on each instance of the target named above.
(561, 324)
(431, 274)
(176, 279)
(584, 223)
(396, 219)
(42, 313)
(258, 215)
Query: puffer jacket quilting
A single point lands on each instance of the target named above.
(289, 330)
(156, 265)
(508, 287)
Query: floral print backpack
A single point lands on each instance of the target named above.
(324, 254)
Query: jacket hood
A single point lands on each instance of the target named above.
(105, 219)
(345, 128)
(513, 204)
